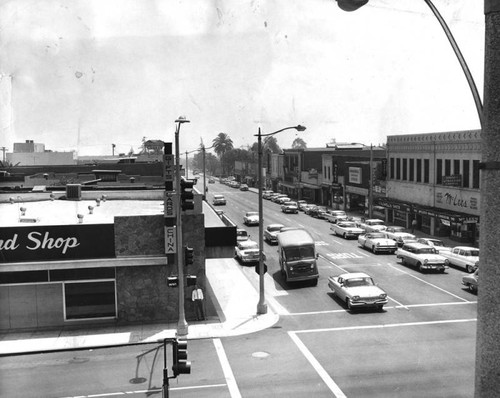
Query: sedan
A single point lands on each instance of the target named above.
(247, 251)
(271, 233)
(471, 281)
(346, 229)
(290, 207)
(377, 242)
(357, 289)
(251, 218)
(401, 237)
(243, 187)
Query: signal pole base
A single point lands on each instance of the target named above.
(261, 308)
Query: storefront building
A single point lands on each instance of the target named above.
(434, 178)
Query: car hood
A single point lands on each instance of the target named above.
(365, 291)
(250, 251)
(432, 257)
(352, 229)
(383, 241)
(376, 227)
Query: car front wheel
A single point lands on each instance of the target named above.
(470, 269)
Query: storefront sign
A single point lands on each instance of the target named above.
(170, 240)
(458, 200)
(355, 175)
(56, 242)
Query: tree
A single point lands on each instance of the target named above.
(222, 144)
(299, 143)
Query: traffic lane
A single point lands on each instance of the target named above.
(394, 360)
(268, 364)
(133, 370)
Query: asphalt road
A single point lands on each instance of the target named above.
(421, 345)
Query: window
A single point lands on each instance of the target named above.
(391, 165)
(465, 174)
(456, 166)
(411, 177)
(439, 171)
(398, 168)
(86, 300)
(405, 169)
(426, 171)
(447, 167)
(419, 170)
(475, 174)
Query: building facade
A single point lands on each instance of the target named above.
(434, 178)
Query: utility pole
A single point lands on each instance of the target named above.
(487, 380)
(3, 149)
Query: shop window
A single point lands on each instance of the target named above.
(465, 174)
(456, 166)
(475, 174)
(447, 167)
(419, 170)
(89, 300)
(439, 171)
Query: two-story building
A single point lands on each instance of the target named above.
(434, 178)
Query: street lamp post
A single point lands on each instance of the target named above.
(182, 326)
(262, 306)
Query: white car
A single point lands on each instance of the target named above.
(301, 203)
(357, 289)
(335, 215)
(219, 200)
(290, 207)
(247, 251)
(271, 233)
(464, 257)
(241, 234)
(422, 257)
(346, 229)
(373, 225)
(401, 238)
(377, 242)
(437, 244)
(283, 200)
(251, 218)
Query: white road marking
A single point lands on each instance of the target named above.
(226, 369)
(334, 388)
(384, 326)
(428, 283)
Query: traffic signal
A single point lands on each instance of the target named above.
(191, 280)
(187, 194)
(188, 255)
(179, 354)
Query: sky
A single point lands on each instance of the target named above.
(85, 74)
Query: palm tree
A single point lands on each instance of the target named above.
(221, 144)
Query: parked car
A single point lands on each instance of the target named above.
(242, 234)
(346, 229)
(251, 218)
(373, 225)
(395, 228)
(307, 207)
(471, 281)
(377, 242)
(275, 198)
(463, 257)
(218, 200)
(211, 180)
(401, 237)
(422, 257)
(271, 233)
(267, 194)
(282, 200)
(435, 243)
(247, 251)
(317, 212)
(243, 187)
(334, 216)
(301, 204)
(357, 289)
(290, 207)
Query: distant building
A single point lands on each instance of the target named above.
(30, 153)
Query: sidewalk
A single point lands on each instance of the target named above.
(234, 297)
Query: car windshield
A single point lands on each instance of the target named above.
(248, 245)
(298, 253)
(347, 225)
(252, 213)
(241, 233)
(355, 282)
(374, 222)
(375, 236)
(426, 250)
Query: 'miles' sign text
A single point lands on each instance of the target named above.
(58, 242)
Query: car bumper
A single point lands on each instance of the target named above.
(368, 303)
(249, 259)
(434, 267)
